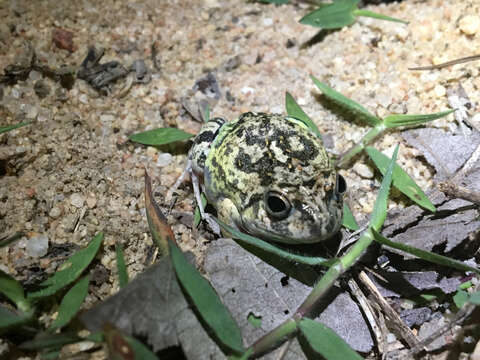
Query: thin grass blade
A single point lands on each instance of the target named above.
(347, 103)
(157, 222)
(263, 245)
(70, 270)
(332, 16)
(348, 219)
(71, 303)
(401, 180)
(206, 301)
(294, 110)
(13, 290)
(121, 267)
(160, 136)
(380, 209)
(325, 342)
(367, 13)
(4, 129)
(425, 255)
(397, 120)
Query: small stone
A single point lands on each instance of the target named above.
(475, 121)
(470, 24)
(151, 151)
(77, 200)
(31, 111)
(439, 91)
(363, 170)
(55, 212)
(164, 159)
(91, 201)
(83, 99)
(44, 115)
(41, 89)
(37, 246)
(267, 22)
(107, 118)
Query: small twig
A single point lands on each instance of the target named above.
(404, 331)
(448, 63)
(455, 191)
(369, 314)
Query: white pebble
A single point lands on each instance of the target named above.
(268, 22)
(469, 24)
(164, 159)
(247, 90)
(83, 99)
(55, 212)
(363, 170)
(37, 246)
(77, 200)
(440, 91)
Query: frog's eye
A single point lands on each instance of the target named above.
(277, 205)
(340, 185)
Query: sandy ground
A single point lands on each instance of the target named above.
(73, 172)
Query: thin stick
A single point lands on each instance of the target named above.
(448, 63)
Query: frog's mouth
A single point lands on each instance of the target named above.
(309, 234)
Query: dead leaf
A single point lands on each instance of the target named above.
(247, 285)
(153, 307)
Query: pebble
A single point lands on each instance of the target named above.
(55, 212)
(77, 200)
(37, 246)
(83, 99)
(164, 159)
(91, 201)
(440, 91)
(363, 170)
(469, 24)
(476, 121)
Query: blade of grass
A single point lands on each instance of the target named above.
(50, 341)
(9, 319)
(266, 246)
(332, 16)
(347, 103)
(326, 342)
(197, 217)
(397, 120)
(4, 129)
(70, 270)
(348, 219)
(423, 254)
(13, 290)
(161, 232)
(121, 267)
(380, 209)
(294, 110)
(207, 303)
(160, 136)
(70, 304)
(367, 13)
(401, 180)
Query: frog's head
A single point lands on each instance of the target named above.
(302, 215)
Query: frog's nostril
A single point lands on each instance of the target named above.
(277, 205)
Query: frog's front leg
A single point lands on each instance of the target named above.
(205, 216)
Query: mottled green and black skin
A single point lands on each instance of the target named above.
(269, 175)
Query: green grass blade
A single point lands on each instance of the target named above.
(367, 13)
(326, 342)
(206, 113)
(348, 219)
(397, 120)
(141, 351)
(425, 255)
(160, 136)
(9, 319)
(50, 341)
(332, 16)
(266, 246)
(4, 129)
(380, 209)
(460, 298)
(294, 110)
(197, 217)
(206, 301)
(13, 290)
(475, 298)
(70, 270)
(70, 304)
(347, 103)
(401, 180)
(121, 267)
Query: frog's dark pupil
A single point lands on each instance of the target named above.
(277, 205)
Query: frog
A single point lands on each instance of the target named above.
(267, 175)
